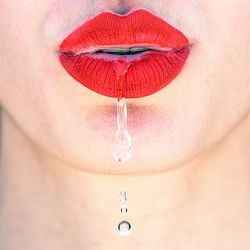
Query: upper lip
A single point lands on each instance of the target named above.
(148, 71)
(148, 31)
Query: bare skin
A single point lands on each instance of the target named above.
(188, 180)
(47, 204)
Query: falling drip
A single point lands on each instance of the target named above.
(122, 147)
(124, 227)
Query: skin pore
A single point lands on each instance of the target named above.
(188, 179)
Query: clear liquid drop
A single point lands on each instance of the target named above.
(124, 208)
(124, 228)
(122, 148)
(123, 196)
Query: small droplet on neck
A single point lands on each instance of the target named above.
(124, 228)
(122, 148)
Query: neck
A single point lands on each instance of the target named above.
(48, 204)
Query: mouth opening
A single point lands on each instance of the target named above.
(123, 51)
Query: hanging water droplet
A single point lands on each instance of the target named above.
(122, 148)
(124, 228)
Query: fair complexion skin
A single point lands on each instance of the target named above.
(188, 178)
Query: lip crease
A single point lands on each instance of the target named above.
(149, 71)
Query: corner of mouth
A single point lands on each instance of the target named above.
(89, 55)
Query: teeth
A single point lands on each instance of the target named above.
(116, 50)
(138, 49)
(125, 50)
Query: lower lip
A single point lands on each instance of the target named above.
(148, 72)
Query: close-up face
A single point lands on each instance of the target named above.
(49, 86)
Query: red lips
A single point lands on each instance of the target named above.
(148, 71)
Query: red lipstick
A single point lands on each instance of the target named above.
(154, 50)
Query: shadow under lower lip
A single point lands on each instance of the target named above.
(102, 118)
